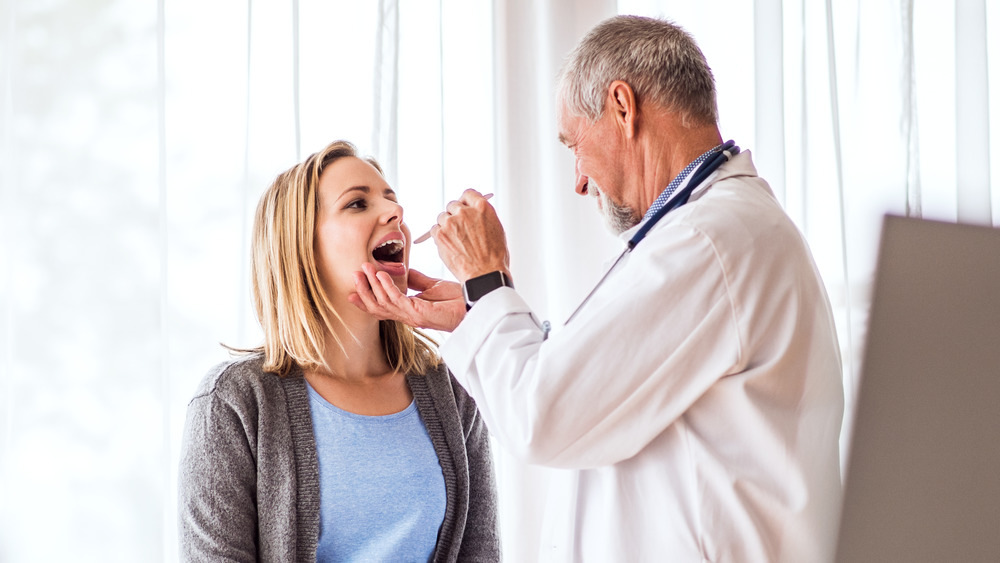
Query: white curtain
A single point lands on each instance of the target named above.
(136, 139)
(136, 136)
(557, 241)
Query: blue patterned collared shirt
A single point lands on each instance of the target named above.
(664, 196)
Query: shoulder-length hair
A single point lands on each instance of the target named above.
(292, 307)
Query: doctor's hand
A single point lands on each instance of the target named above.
(440, 305)
(470, 238)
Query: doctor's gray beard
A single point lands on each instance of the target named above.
(619, 218)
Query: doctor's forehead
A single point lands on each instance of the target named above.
(570, 122)
(569, 128)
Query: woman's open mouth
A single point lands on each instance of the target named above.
(389, 256)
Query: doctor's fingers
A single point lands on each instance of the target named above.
(468, 201)
(381, 298)
(376, 282)
(469, 205)
(455, 220)
(363, 298)
(468, 252)
(367, 300)
(456, 208)
(473, 198)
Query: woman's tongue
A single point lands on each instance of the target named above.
(391, 268)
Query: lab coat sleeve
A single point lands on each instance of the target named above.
(655, 336)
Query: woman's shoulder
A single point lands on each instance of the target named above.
(240, 376)
(236, 396)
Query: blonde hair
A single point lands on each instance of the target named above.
(292, 307)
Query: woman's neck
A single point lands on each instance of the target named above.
(356, 351)
(357, 376)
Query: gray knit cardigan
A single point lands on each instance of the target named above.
(249, 482)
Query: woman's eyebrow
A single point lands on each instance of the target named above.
(363, 189)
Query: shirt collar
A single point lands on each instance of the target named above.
(664, 196)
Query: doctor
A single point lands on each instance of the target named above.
(697, 392)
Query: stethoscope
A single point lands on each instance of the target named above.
(711, 164)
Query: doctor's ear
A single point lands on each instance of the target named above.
(622, 105)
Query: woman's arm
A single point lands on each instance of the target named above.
(216, 485)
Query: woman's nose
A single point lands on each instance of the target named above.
(392, 212)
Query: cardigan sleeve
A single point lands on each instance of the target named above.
(481, 540)
(217, 484)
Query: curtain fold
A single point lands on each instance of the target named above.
(8, 262)
(972, 123)
(769, 93)
(296, 81)
(909, 118)
(556, 238)
(847, 328)
(163, 226)
(546, 216)
(385, 116)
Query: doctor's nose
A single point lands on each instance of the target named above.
(581, 184)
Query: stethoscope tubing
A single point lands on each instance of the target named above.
(707, 168)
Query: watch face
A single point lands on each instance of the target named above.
(476, 288)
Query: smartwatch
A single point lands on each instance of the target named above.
(475, 288)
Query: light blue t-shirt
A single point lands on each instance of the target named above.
(382, 495)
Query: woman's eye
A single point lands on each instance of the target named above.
(357, 204)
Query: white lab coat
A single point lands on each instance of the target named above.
(697, 396)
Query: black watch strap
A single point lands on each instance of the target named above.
(475, 288)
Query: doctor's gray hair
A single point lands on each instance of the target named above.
(659, 60)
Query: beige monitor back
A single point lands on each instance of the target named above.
(923, 476)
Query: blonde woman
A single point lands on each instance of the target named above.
(343, 437)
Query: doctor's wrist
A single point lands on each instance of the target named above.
(475, 288)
